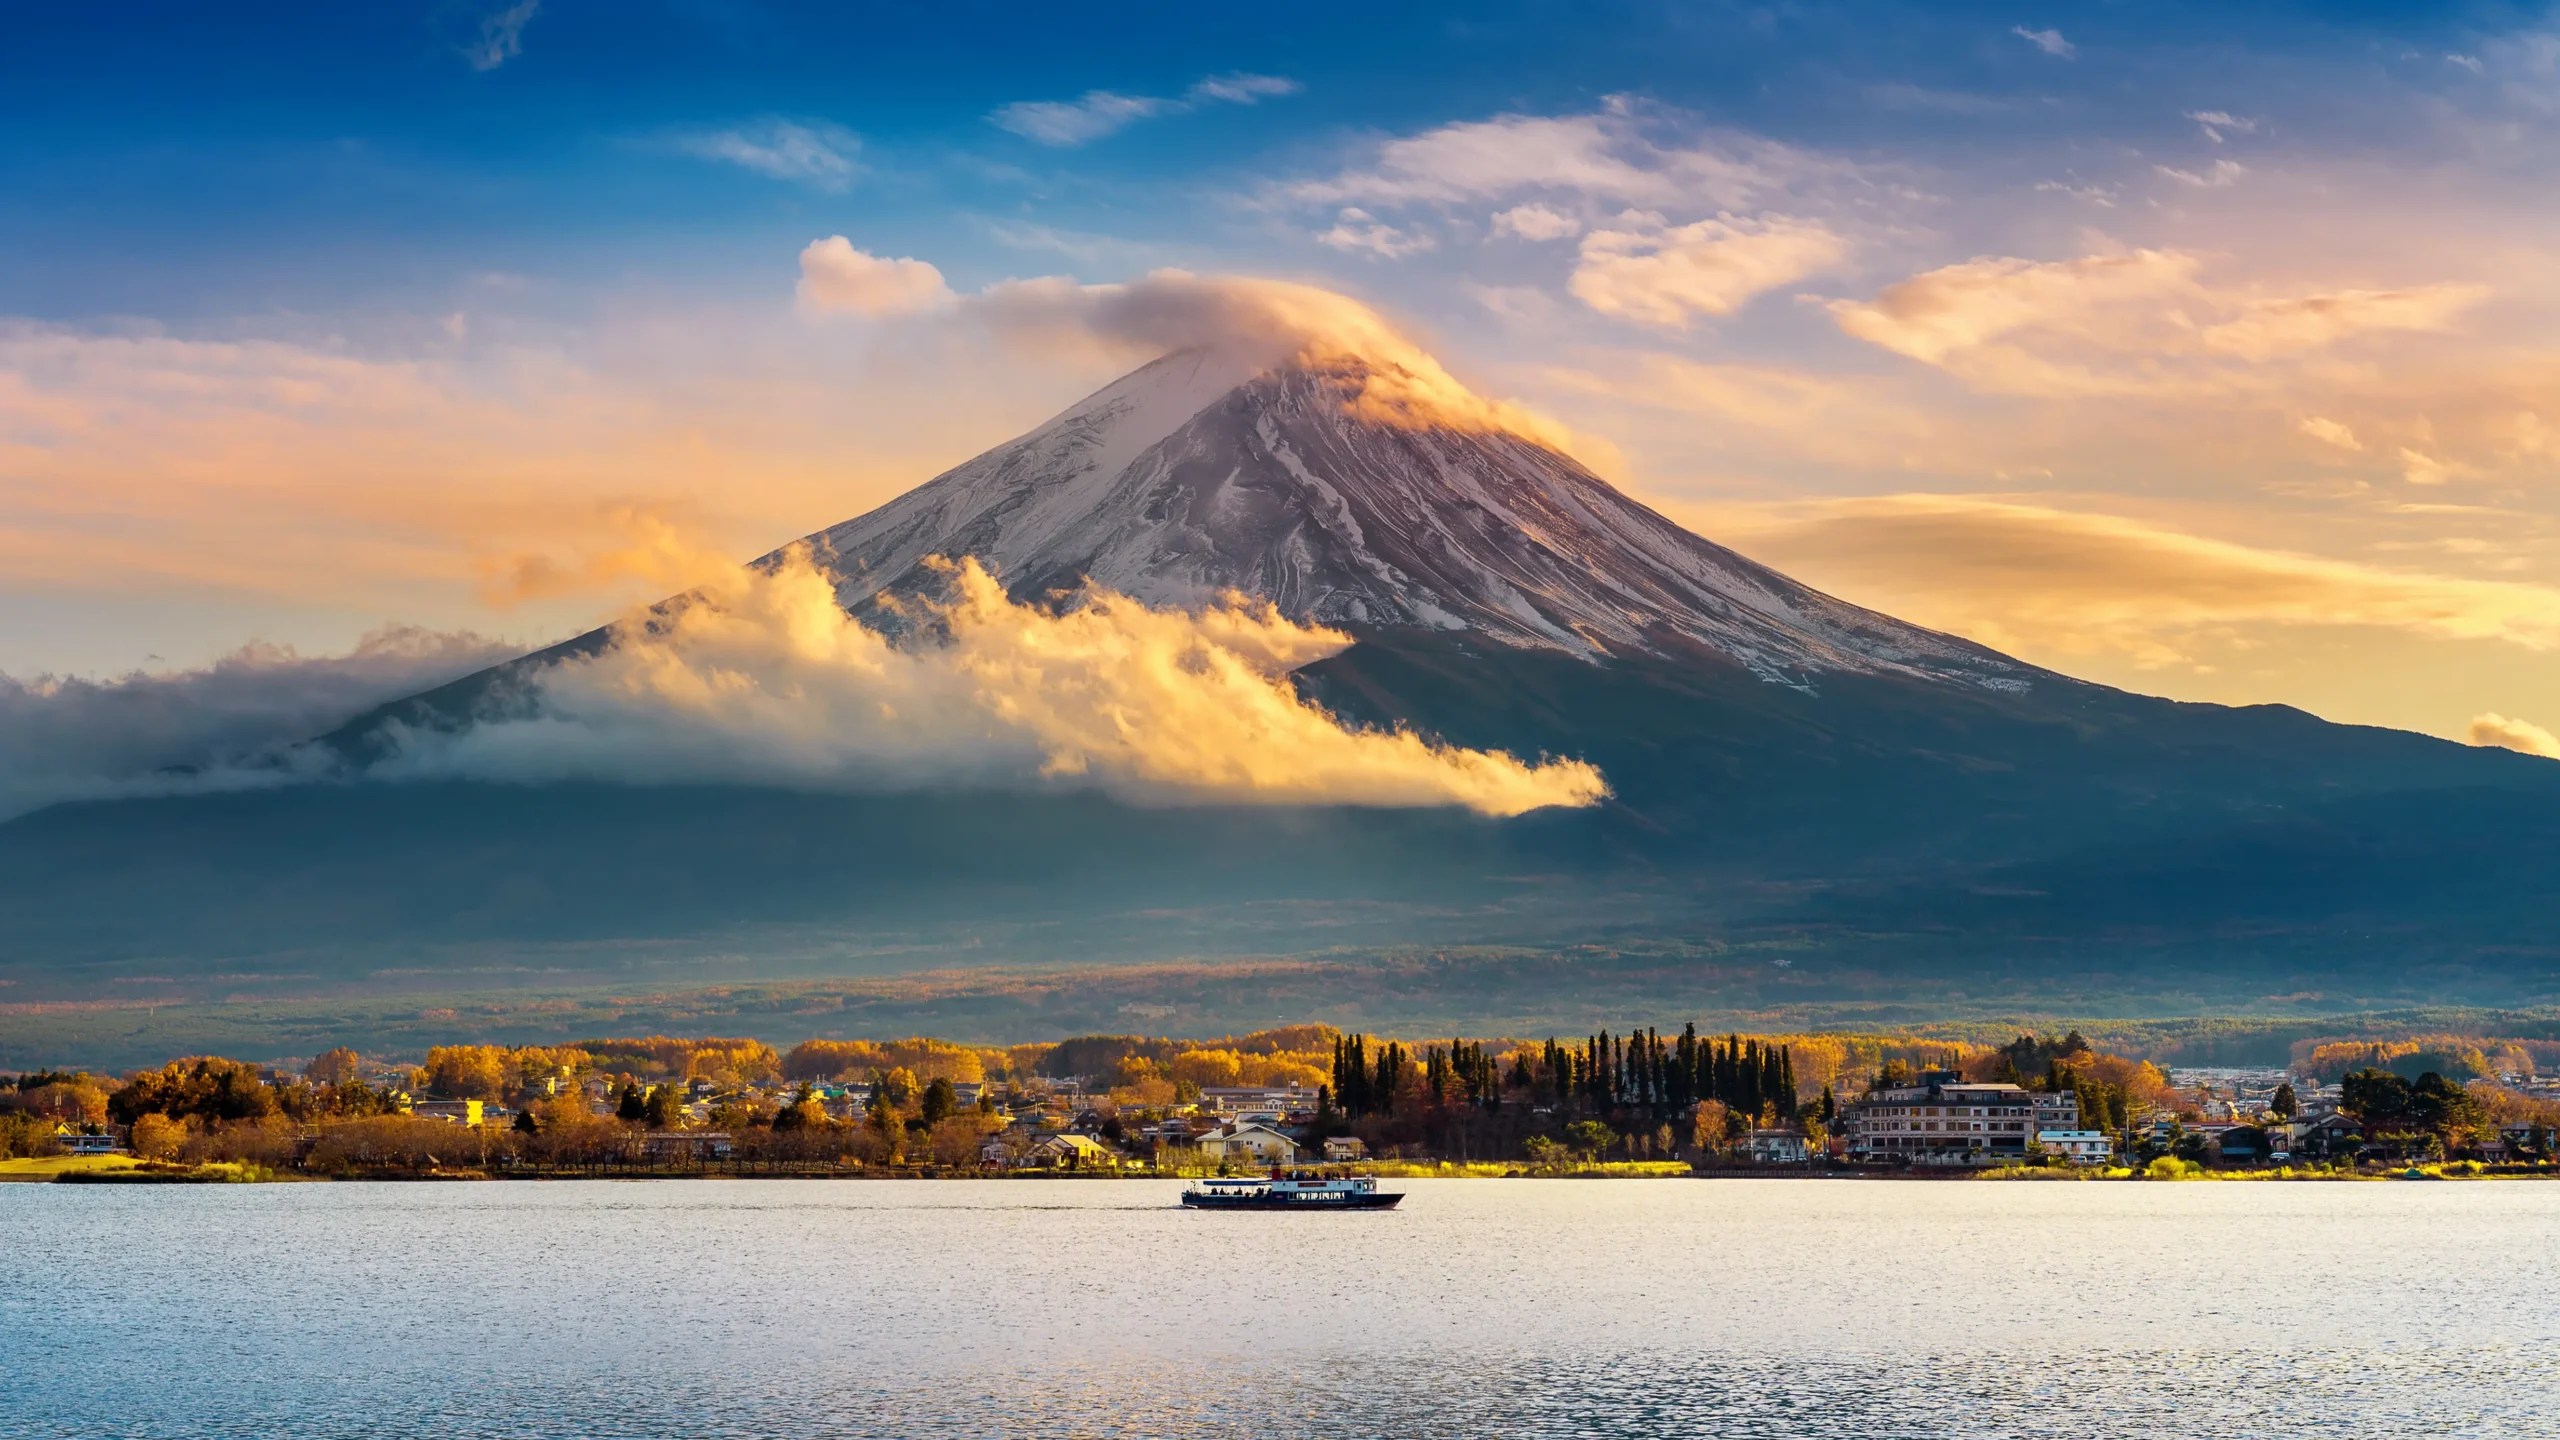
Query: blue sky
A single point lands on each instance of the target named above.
(204, 161)
(2196, 348)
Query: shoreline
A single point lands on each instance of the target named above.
(87, 1171)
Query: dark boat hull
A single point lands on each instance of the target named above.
(1264, 1202)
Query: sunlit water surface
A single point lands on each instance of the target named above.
(1480, 1308)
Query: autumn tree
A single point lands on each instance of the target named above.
(341, 1066)
(156, 1136)
(205, 1086)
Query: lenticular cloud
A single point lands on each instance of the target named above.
(762, 677)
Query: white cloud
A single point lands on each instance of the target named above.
(2142, 322)
(837, 278)
(2220, 175)
(817, 154)
(2218, 123)
(226, 726)
(1074, 122)
(2330, 432)
(2467, 62)
(1534, 221)
(1103, 112)
(2507, 733)
(501, 36)
(2048, 41)
(1357, 230)
(1666, 275)
(1606, 156)
(761, 677)
(1244, 89)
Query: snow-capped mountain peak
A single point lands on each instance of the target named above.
(1353, 493)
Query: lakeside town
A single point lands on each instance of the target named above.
(1639, 1103)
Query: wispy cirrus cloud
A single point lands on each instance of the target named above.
(817, 153)
(1098, 113)
(2141, 322)
(1356, 230)
(2217, 124)
(2048, 41)
(2056, 582)
(1608, 157)
(501, 36)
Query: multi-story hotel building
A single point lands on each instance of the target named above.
(1943, 1120)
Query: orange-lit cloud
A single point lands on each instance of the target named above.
(1665, 275)
(428, 481)
(626, 543)
(2143, 322)
(760, 676)
(2056, 582)
(2493, 728)
(835, 277)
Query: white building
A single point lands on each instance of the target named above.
(1942, 1120)
(455, 1112)
(1780, 1147)
(1341, 1148)
(1273, 1100)
(2080, 1147)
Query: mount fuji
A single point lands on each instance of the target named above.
(1787, 768)
(1197, 475)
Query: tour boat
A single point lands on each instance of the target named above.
(1280, 1191)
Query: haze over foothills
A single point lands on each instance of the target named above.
(2202, 353)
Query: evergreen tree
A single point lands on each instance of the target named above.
(632, 1106)
(940, 1099)
(665, 1107)
(2284, 1105)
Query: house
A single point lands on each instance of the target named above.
(2242, 1145)
(2331, 1136)
(454, 1112)
(1941, 1119)
(1249, 1144)
(1779, 1147)
(2080, 1147)
(1340, 1149)
(74, 1142)
(1074, 1152)
(1276, 1101)
(687, 1144)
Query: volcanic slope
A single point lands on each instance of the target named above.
(1779, 757)
(1179, 482)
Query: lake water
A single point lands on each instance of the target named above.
(1480, 1308)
